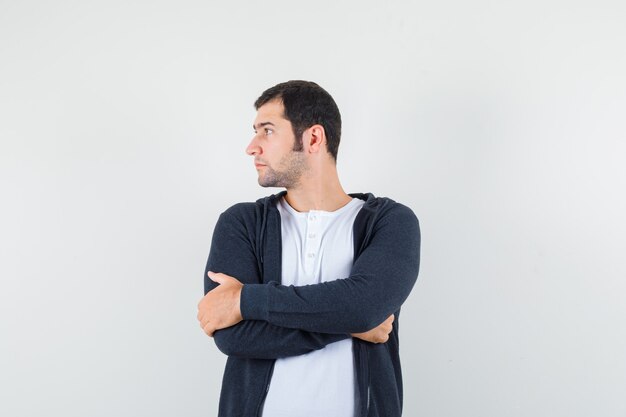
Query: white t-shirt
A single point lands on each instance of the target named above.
(317, 246)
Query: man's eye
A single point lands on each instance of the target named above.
(269, 131)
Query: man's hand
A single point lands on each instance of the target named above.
(219, 308)
(379, 334)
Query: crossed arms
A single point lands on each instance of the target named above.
(268, 321)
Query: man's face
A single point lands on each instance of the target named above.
(277, 164)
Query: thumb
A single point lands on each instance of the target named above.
(216, 277)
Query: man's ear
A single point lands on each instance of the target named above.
(316, 137)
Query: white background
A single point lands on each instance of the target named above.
(123, 126)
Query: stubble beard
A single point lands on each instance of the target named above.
(288, 175)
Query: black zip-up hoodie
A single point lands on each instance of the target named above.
(281, 321)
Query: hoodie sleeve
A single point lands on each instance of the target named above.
(232, 253)
(380, 281)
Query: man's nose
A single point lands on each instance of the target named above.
(253, 148)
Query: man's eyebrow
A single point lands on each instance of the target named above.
(261, 124)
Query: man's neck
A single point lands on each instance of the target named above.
(326, 195)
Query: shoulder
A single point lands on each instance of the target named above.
(385, 208)
(240, 209)
(398, 217)
(240, 215)
(399, 209)
(250, 212)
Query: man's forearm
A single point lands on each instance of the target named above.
(253, 338)
(381, 280)
(262, 340)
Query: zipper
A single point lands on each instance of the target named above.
(264, 268)
(268, 379)
(363, 378)
(367, 410)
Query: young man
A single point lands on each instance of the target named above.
(303, 288)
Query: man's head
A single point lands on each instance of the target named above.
(286, 114)
(306, 104)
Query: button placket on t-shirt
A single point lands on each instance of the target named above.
(312, 244)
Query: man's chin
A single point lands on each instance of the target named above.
(263, 183)
(266, 185)
(269, 184)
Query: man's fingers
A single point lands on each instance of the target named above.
(220, 306)
(220, 278)
(208, 329)
(216, 277)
